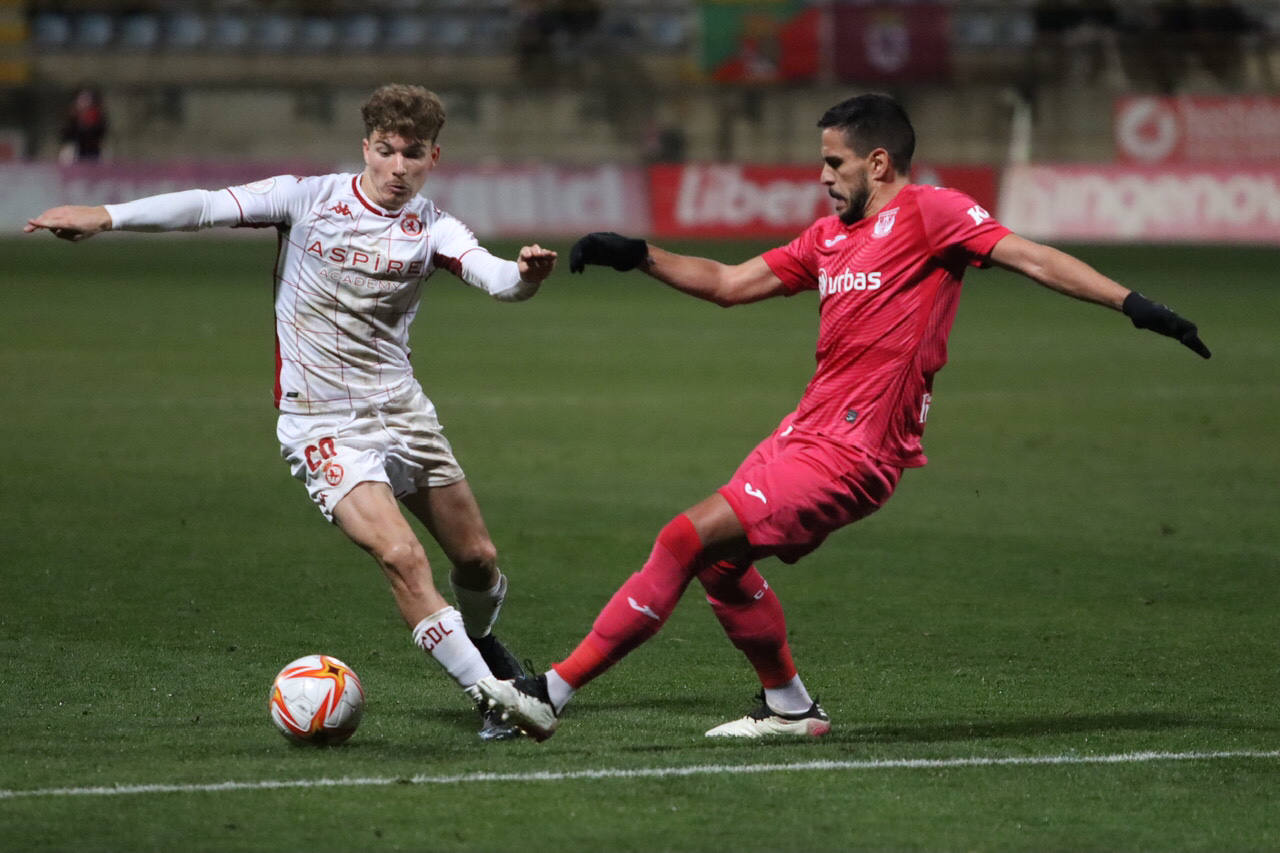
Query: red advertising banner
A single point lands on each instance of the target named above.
(891, 42)
(729, 200)
(1143, 203)
(747, 201)
(1197, 128)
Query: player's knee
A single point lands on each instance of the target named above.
(680, 538)
(728, 583)
(402, 558)
(477, 559)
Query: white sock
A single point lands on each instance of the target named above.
(558, 690)
(790, 698)
(442, 636)
(480, 606)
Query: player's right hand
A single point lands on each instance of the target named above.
(71, 222)
(608, 249)
(1146, 314)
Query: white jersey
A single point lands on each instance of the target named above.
(348, 278)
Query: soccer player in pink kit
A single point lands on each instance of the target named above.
(355, 426)
(888, 269)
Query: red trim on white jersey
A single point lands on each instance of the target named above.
(238, 204)
(453, 265)
(277, 392)
(355, 188)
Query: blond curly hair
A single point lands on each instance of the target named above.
(412, 112)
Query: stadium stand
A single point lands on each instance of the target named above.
(199, 77)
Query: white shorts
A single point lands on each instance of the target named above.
(399, 443)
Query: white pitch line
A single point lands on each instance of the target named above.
(646, 773)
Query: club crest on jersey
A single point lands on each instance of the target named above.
(261, 187)
(411, 224)
(884, 223)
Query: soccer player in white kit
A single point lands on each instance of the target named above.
(354, 424)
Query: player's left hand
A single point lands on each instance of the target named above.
(535, 263)
(70, 222)
(1146, 314)
(608, 249)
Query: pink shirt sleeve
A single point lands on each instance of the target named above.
(794, 263)
(954, 221)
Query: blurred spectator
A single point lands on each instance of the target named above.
(553, 36)
(664, 143)
(1180, 44)
(578, 18)
(534, 52)
(84, 129)
(1079, 38)
(1221, 27)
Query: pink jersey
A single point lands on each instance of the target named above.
(889, 286)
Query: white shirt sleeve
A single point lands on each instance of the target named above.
(460, 251)
(189, 210)
(278, 200)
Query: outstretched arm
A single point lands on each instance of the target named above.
(723, 284)
(186, 210)
(1071, 276)
(1058, 271)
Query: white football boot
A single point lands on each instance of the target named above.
(522, 702)
(766, 722)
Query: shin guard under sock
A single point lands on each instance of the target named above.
(752, 616)
(640, 606)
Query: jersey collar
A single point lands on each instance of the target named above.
(355, 188)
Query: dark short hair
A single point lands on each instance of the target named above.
(411, 112)
(874, 121)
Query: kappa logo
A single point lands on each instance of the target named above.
(643, 608)
(755, 493)
(341, 209)
(834, 240)
(884, 223)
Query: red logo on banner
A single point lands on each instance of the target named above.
(892, 42)
(1197, 129)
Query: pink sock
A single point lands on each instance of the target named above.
(752, 616)
(640, 606)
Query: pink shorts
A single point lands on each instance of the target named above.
(795, 489)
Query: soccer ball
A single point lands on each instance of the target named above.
(318, 700)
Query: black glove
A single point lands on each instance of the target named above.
(608, 249)
(1146, 314)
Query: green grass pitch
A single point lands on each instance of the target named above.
(1088, 568)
